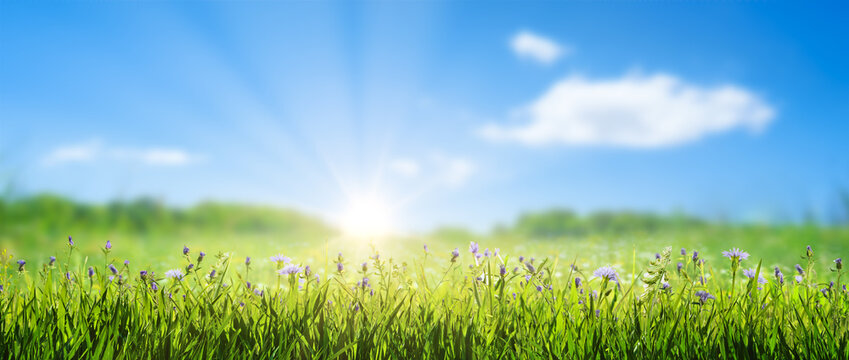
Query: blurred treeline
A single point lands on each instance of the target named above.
(53, 215)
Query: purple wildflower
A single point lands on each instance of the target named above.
(425, 248)
(657, 256)
(750, 273)
(68, 276)
(809, 251)
(70, 241)
(21, 264)
(704, 296)
(143, 273)
(176, 274)
(539, 288)
(200, 256)
(680, 266)
(495, 253)
(502, 270)
(307, 271)
(736, 254)
(113, 269)
(52, 260)
(111, 277)
(578, 282)
(530, 267)
(190, 267)
(90, 271)
(455, 254)
(486, 252)
(839, 262)
(185, 250)
(248, 260)
(800, 270)
(248, 284)
(473, 247)
(799, 278)
(108, 245)
(365, 266)
(695, 256)
(606, 273)
(279, 259)
(683, 252)
(289, 270)
(339, 267)
(212, 274)
(521, 259)
(478, 256)
(126, 262)
(664, 285)
(154, 286)
(824, 292)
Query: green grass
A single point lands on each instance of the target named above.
(429, 305)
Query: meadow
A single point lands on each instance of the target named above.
(142, 280)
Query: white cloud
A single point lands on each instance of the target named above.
(95, 151)
(83, 152)
(633, 111)
(454, 172)
(405, 167)
(535, 47)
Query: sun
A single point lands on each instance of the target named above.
(367, 217)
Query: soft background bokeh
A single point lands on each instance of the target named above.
(309, 128)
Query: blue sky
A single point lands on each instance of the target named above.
(453, 113)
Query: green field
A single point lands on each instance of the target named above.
(150, 293)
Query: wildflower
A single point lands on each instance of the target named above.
(126, 262)
(657, 256)
(176, 274)
(190, 267)
(495, 253)
(52, 260)
(521, 259)
(425, 248)
(839, 262)
(528, 278)
(70, 241)
(473, 247)
(664, 285)
(21, 264)
(824, 292)
(365, 266)
(154, 286)
(279, 259)
(212, 274)
(779, 276)
(241, 304)
(515, 269)
(577, 282)
(90, 271)
(573, 266)
(478, 256)
(185, 250)
(371, 292)
(695, 256)
(455, 254)
(248, 260)
(539, 288)
(606, 273)
(248, 284)
(486, 252)
(339, 267)
(809, 251)
(800, 270)
(704, 296)
(68, 276)
(108, 245)
(200, 256)
(799, 278)
(317, 279)
(111, 277)
(259, 292)
(502, 270)
(113, 269)
(356, 307)
(307, 271)
(683, 252)
(736, 254)
(750, 273)
(143, 273)
(530, 267)
(289, 270)
(680, 266)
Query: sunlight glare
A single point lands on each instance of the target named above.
(367, 217)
